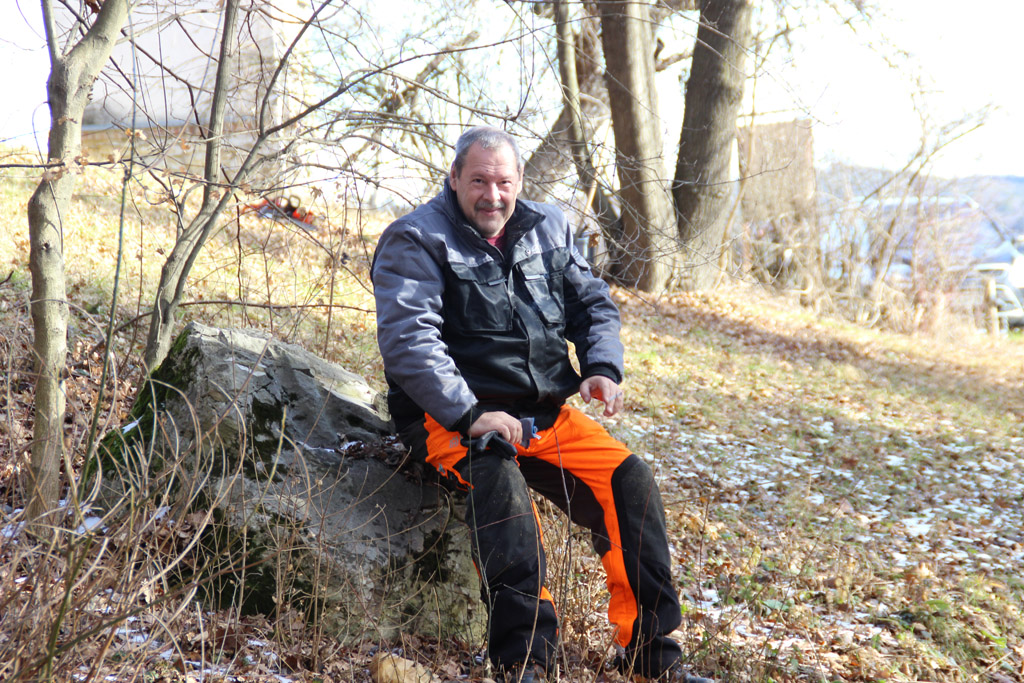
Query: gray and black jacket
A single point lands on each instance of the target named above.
(464, 328)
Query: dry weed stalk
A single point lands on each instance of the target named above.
(107, 588)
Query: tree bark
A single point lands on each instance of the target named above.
(72, 75)
(553, 159)
(648, 228)
(218, 190)
(571, 96)
(714, 93)
(186, 248)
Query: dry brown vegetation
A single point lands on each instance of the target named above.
(844, 504)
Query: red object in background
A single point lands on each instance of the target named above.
(282, 207)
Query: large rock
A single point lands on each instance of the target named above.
(296, 457)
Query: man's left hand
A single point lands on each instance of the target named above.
(604, 390)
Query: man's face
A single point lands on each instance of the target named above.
(487, 187)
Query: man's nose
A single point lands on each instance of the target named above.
(491, 192)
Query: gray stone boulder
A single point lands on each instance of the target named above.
(295, 459)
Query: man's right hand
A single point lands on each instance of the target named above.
(508, 427)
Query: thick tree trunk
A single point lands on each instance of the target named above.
(714, 93)
(71, 79)
(186, 248)
(648, 224)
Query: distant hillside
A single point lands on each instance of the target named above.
(1001, 198)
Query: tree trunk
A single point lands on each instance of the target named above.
(553, 159)
(648, 227)
(714, 93)
(218, 190)
(186, 248)
(71, 78)
(571, 96)
(572, 121)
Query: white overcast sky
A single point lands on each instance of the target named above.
(970, 51)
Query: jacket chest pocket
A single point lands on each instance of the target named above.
(542, 276)
(476, 298)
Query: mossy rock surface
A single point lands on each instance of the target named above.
(297, 457)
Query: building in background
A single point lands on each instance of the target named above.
(161, 85)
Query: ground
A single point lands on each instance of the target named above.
(844, 504)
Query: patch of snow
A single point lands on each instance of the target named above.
(917, 526)
(12, 530)
(88, 524)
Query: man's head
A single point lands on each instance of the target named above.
(487, 176)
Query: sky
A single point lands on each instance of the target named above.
(860, 106)
(967, 52)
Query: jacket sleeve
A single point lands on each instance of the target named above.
(592, 319)
(407, 286)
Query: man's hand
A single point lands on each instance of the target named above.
(603, 389)
(508, 427)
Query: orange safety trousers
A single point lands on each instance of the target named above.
(600, 485)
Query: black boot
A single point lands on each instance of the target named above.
(527, 673)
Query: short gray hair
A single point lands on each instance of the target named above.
(487, 137)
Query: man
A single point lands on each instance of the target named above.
(477, 293)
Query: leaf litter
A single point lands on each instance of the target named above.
(843, 504)
(858, 494)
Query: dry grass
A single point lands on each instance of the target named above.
(847, 500)
(844, 504)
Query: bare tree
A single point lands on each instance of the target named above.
(571, 94)
(714, 93)
(647, 216)
(219, 180)
(192, 238)
(645, 239)
(569, 147)
(73, 69)
(379, 110)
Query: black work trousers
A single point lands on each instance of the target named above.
(602, 486)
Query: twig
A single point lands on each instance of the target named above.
(232, 302)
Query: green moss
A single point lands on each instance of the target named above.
(171, 375)
(253, 571)
(130, 451)
(433, 565)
